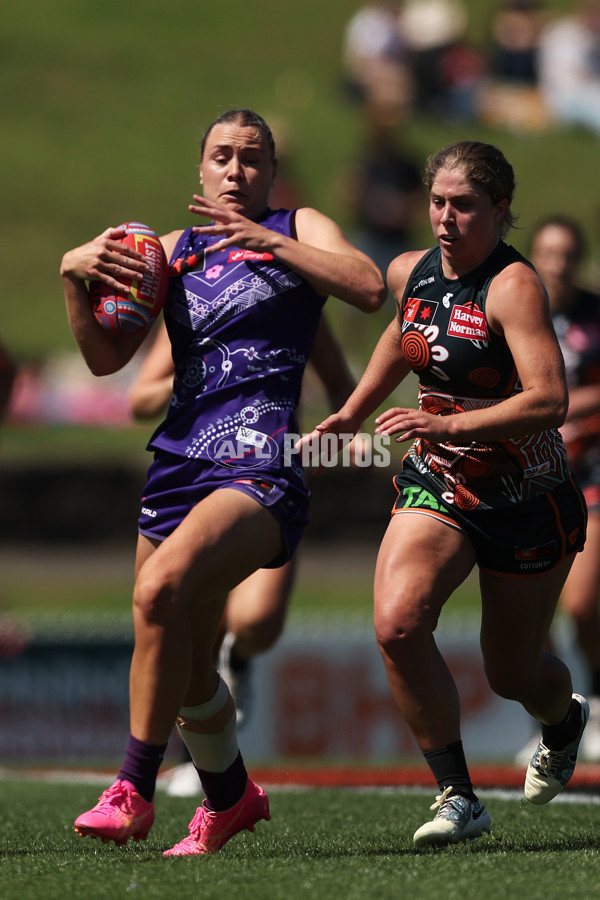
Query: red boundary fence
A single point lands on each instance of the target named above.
(586, 777)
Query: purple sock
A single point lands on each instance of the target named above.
(141, 765)
(224, 789)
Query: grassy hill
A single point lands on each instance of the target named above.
(103, 104)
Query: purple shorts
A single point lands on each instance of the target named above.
(175, 484)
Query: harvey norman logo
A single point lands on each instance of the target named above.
(467, 322)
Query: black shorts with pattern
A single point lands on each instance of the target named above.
(518, 539)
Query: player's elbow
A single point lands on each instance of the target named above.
(373, 299)
(562, 410)
(557, 406)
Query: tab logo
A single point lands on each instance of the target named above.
(468, 322)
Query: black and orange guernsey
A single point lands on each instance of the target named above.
(462, 365)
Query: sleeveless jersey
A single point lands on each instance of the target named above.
(463, 365)
(242, 326)
(578, 332)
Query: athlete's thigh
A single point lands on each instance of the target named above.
(262, 595)
(581, 593)
(220, 542)
(421, 561)
(516, 613)
(145, 548)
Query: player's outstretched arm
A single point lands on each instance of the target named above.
(321, 254)
(386, 369)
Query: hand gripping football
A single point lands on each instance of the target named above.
(137, 311)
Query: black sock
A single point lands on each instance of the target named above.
(556, 737)
(237, 663)
(224, 789)
(450, 769)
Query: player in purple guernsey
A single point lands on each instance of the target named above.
(220, 501)
(257, 608)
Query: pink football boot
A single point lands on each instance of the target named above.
(209, 830)
(119, 814)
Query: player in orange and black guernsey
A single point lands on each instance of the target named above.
(485, 482)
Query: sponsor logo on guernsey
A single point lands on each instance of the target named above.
(469, 323)
(541, 469)
(420, 311)
(241, 255)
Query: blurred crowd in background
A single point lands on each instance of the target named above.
(538, 68)
(399, 58)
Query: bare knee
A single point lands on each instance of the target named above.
(154, 596)
(509, 679)
(402, 624)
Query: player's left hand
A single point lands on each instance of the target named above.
(409, 424)
(342, 430)
(234, 229)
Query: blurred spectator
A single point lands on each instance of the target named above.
(516, 30)
(431, 28)
(61, 390)
(512, 97)
(374, 58)
(569, 67)
(462, 70)
(387, 191)
(8, 372)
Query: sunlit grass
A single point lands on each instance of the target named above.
(355, 845)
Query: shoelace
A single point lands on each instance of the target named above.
(113, 796)
(551, 760)
(195, 825)
(441, 798)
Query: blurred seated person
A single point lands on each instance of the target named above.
(374, 60)
(387, 193)
(569, 67)
(516, 30)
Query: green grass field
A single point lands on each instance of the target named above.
(338, 845)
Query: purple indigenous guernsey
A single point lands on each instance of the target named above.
(242, 325)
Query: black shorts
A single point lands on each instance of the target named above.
(519, 539)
